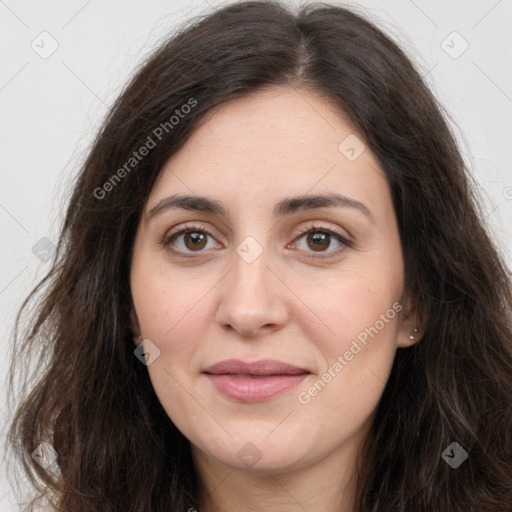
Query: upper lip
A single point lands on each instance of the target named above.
(262, 367)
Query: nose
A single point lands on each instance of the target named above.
(252, 298)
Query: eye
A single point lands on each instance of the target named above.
(189, 239)
(319, 239)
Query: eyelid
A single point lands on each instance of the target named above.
(298, 234)
(345, 241)
(182, 229)
(314, 225)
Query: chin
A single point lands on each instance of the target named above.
(260, 451)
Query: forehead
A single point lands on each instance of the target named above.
(277, 141)
(277, 122)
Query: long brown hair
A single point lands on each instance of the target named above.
(92, 400)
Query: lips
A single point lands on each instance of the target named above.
(264, 367)
(254, 382)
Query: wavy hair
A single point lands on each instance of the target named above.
(92, 401)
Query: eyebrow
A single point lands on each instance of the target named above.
(284, 207)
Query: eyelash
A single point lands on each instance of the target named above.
(168, 239)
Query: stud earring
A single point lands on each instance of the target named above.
(138, 339)
(415, 331)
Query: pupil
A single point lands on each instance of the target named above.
(196, 240)
(319, 240)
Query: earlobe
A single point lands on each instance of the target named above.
(412, 339)
(412, 326)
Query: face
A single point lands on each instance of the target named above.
(270, 235)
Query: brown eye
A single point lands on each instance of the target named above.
(318, 240)
(195, 240)
(323, 241)
(190, 240)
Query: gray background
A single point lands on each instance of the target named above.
(52, 105)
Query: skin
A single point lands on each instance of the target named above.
(295, 302)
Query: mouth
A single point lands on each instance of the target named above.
(263, 367)
(254, 382)
(250, 376)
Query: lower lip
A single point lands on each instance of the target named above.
(255, 389)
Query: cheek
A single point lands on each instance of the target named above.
(348, 305)
(173, 316)
(165, 302)
(360, 320)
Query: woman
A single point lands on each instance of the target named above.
(273, 290)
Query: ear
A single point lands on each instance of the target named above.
(412, 325)
(134, 327)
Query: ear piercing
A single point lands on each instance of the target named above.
(415, 331)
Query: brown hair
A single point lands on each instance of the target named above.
(93, 400)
